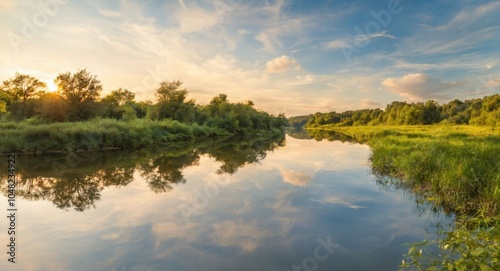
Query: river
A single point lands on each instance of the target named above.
(288, 204)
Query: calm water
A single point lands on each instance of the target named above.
(217, 206)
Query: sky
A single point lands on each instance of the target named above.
(287, 56)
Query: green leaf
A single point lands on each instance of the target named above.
(484, 267)
(476, 252)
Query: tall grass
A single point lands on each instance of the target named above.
(38, 137)
(456, 166)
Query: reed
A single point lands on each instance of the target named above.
(33, 136)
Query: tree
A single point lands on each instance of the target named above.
(169, 91)
(117, 102)
(79, 87)
(119, 97)
(219, 99)
(51, 107)
(81, 91)
(16, 95)
(431, 112)
(22, 87)
(172, 103)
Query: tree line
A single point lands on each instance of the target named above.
(78, 98)
(485, 111)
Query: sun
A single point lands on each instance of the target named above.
(51, 87)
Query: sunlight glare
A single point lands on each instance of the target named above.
(51, 87)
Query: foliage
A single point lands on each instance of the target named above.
(299, 121)
(458, 166)
(22, 87)
(119, 97)
(16, 95)
(80, 90)
(79, 87)
(456, 169)
(241, 118)
(52, 107)
(98, 134)
(461, 248)
(485, 111)
(78, 100)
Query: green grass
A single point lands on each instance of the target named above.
(456, 168)
(33, 136)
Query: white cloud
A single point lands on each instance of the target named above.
(282, 64)
(419, 86)
(493, 83)
(350, 41)
(367, 103)
(265, 40)
(277, 7)
(273, 31)
(337, 44)
(471, 15)
(296, 178)
(246, 236)
(347, 201)
(365, 38)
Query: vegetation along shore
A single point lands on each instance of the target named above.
(446, 155)
(77, 118)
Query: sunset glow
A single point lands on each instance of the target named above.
(336, 55)
(51, 87)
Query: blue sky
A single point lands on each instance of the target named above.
(288, 56)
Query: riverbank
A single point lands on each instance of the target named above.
(454, 168)
(103, 134)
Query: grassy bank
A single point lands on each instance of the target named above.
(456, 168)
(33, 136)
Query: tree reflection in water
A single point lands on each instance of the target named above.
(75, 180)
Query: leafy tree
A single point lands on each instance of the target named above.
(17, 94)
(169, 91)
(172, 103)
(219, 100)
(22, 87)
(489, 114)
(299, 121)
(3, 107)
(81, 90)
(117, 102)
(79, 87)
(119, 97)
(128, 113)
(431, 112)
(52, 107)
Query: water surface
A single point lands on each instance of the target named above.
(215, 206)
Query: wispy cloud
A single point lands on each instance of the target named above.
(419, 86)
(337, 44)
(251, 49)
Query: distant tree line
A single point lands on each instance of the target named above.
(485, 111)
(78, 98)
